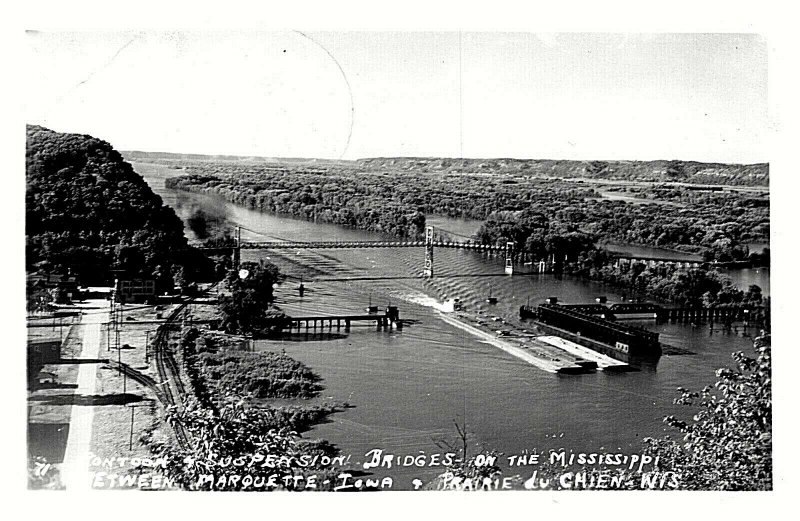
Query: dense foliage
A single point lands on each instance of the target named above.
(727, 445)
(217, 368)
(536, 233)
(339, 199)
(618, 202)
(237, 434)
(87, 211)
(679, 285)
(257, 375)
(39, 299)
(249, 295)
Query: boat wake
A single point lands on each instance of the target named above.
(422, 299)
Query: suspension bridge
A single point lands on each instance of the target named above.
(432, 241)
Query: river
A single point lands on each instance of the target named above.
(408, 386)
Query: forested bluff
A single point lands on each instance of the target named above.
(88, 213)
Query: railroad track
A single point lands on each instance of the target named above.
(140, 378)
(171, 385)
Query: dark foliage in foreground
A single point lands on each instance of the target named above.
(89, 212)
(727, 445)
(230, 448)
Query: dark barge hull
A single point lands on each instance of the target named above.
(622, 339)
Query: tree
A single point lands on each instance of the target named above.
(753, 295)
(465, 465)
(250, 296)
(728, 444)
(39, 299)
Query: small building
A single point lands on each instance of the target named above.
(66, 285)
(135, 290)
(41, 353)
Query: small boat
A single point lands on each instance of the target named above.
(456, 303)
(490, 299)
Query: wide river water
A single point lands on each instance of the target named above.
(408, 386)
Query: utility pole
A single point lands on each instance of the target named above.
(108, 326)
(130, 439)
(130, 442)
(121, 370)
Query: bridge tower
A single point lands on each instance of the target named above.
(237, 249)
(428, 270)
(510, 258)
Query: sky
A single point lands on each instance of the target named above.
(365, 94)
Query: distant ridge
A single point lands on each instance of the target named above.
(694, 172)
(465, 160)
(143, 155)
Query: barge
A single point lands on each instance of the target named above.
(624, 339)
(634, 311)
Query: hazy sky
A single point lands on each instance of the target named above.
(351, 95)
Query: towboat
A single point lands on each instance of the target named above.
(456, 303)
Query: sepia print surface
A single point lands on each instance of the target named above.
(407, 261)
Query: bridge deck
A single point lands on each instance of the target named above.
(467, 245)
(276, 245)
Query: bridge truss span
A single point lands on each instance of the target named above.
(430, 242)
(316, 245)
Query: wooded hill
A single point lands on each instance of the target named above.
(88, 211)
